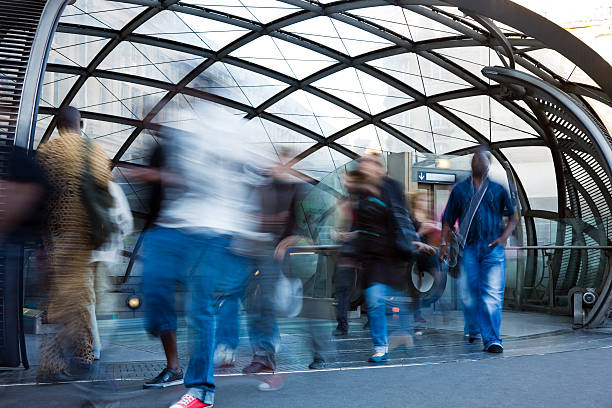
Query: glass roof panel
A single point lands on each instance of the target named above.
(137, 201)
(528, 161)
(472, 59)
(370, 138)
(302, 61)
(74, 50)
(422, 28)
(445, 144)
(55, 88)
(141, 148)
(296, 108)
(389, 17)
(477, 110)
(110, 142)
(279, 134)
(362, 138)
(233, 7)
(257, 87)
(215, 34)
(150, 62)
(173, 64)
(219, 81)
(169, 25)
(318, 164)
(108, 14)
(356, 41)
(264, 51)
(444, 127)
(42, 122)
(581, 77)
(266, 11)
(437, 79)
(603, 111)
(403, 67)
(313, 113)
(178, 113)
(554, 61)
(415, 124)
(190, 29)
(321, 30)
(117, 98)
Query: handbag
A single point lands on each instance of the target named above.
(98, 202)
(402, 226)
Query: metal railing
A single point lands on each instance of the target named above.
(541, 296)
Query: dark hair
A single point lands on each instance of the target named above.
(69, 119)
(484, 150)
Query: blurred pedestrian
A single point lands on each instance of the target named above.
(347, 265)
(429, 232)
(277, 196)
(479, 204)
(109, 254)
(380, 206)
(205, 206)
(75, 167)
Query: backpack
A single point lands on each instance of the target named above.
(98, 202)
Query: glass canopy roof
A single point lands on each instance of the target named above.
(327, 80)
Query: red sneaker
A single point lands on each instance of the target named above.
(189, 401)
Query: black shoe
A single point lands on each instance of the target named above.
(340, 332)
(473, 339)
(166, 378)
(495, 348)
(317, 364)
(257, 367)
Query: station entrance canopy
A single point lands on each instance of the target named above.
(330, 80)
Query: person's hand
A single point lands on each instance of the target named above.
(424, 248)
(143, 174)
(281, 248)
(343, 237)
(443, 252)
(501, 241)
(427, 227)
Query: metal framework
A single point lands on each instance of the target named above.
(578, 142)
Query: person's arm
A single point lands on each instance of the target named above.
(291, 235)
(21, 200)
(510, 212)
(448, 220)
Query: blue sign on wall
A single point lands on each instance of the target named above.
(432, 177)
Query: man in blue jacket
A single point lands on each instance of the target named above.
(479, 205)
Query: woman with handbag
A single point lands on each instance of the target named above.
(70, 162)
(386, 239)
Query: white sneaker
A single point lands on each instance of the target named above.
(224, 356)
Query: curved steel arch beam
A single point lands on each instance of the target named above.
(546, 31)
(35, 72)
(136, 22)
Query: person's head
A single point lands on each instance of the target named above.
(353, 181)
(372, 167)
(419, 201)
(68, 120)
(481, 162)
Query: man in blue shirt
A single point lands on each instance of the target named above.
(483, 275)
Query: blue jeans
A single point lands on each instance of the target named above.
(482, 282)
(378, 297)
(214, 275)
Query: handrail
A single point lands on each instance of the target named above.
(513, 248)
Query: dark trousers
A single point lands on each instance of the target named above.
(346, 277)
